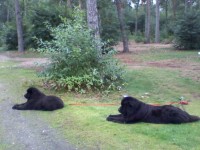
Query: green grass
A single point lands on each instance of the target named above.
(161, 84)
(7, 64)
(89, 129)
(86, 126)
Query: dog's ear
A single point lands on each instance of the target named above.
(30, 90)
(131, 105)
(130, 109)
(30, 93)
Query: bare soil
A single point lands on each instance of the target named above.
(187, 68)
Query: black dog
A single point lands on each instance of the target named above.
(37, 100)
(133, 111)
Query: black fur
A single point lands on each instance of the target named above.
(133, 111)
(36, 100)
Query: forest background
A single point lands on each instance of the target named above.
(143, 20)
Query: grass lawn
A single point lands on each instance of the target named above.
(86, 126)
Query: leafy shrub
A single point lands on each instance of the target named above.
(77, 63)
(9, 36)
(187, 32)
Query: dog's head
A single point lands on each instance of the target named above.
(129, 106)
(32, 93)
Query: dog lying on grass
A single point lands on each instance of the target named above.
(36, 100)
(132, 111)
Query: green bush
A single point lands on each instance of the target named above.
(187, 31)
(77, 63)
(9, 36)
(139, 37)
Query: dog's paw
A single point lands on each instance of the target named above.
(15, 106)
(110, 118)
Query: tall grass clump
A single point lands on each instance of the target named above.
(76, 59)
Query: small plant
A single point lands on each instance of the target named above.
(77, 63)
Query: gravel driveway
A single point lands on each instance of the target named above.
(25, 130)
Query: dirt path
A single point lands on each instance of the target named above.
(25, 130)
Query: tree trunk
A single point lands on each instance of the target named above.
(80, 3)
(136, 17)
(69, 3)
(174, 6)
(166, 13)
(186, 5)
(157, 28)
(8, 10)
(147, 21)
(8, 15)
(19, 27)
(25, 8)
(92, 17)
(122, 25)
(136, 22)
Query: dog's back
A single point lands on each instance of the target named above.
(52, 103)
(172, 114)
